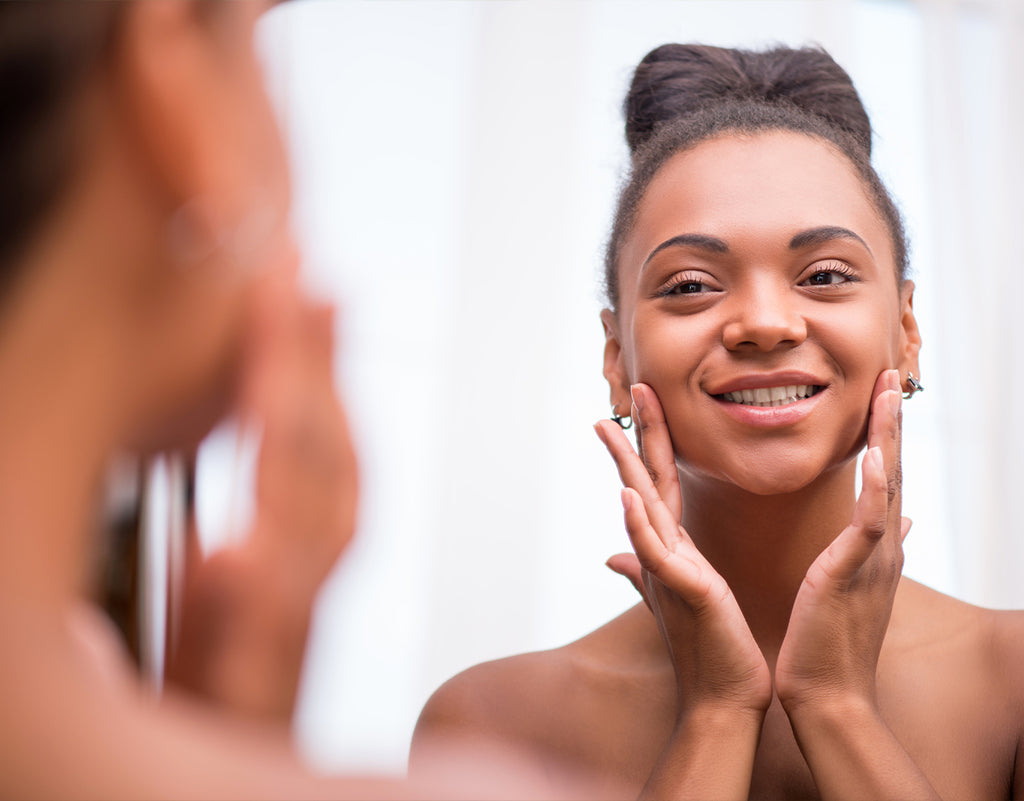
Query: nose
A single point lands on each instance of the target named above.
(764, 318)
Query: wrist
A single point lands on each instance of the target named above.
(831, 711)
(712, 717)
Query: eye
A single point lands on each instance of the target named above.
(830, 274)
(685, 285)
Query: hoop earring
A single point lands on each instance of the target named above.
(915, 386)
(625, 423)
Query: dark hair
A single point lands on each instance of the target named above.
(682, 95)
(48, 48)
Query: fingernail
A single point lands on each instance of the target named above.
(600, 433)
(875, 454)
(894, 380)
(627, 500)
(638, 397)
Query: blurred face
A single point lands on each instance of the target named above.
(211, 133)
(759, 300)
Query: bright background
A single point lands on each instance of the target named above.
(455, 168)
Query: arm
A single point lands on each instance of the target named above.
(825, 674)
(723, 682)
(69, 733)
(710, 755)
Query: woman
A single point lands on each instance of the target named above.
(759, 333)
(149, 288)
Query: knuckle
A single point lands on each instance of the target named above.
(654, 562)
(875, 528)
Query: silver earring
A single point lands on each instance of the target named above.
(915, 386)
(625, 423)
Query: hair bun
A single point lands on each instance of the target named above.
(676, 80)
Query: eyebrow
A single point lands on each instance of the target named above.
(712, 244)
(826, 233)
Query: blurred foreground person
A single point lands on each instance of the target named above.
(149, 289)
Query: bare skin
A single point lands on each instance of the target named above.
(608, 702)
(779, 653)
(115, 336)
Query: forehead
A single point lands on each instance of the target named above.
(754, 191)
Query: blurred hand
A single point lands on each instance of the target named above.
(247, 608)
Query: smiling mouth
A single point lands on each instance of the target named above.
(771, 396)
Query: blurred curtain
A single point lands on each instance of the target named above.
(974, 51)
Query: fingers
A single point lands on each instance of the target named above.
(655, 445)
(306, 483)
(680, 566)
(859, 540)
(884, 431)
(634, 474)
(628, 566)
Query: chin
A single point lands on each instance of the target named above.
(783, 483)
(763, 474)
(182, 415)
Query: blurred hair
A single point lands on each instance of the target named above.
(48, 48)
(682, 95)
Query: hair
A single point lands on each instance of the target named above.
(682, 95)
(47, 52)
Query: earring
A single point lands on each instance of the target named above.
(914, 384)
(196, 233)
(625, 423)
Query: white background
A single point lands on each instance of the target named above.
(455, 167)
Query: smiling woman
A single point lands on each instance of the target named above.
(760, 331)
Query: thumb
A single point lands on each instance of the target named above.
(626, 564)
(905, 524)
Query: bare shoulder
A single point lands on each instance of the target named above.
(540, 700)
(991, 640)
(496, 697)
(937, 616)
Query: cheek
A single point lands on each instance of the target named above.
(667, 350)
(863, 340)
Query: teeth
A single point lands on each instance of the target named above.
(771, 396)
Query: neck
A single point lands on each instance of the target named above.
(62, 411)
(763, 545)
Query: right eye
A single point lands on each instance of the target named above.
(685, 285)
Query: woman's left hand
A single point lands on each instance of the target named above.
(842, 608)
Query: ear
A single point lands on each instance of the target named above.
(910, 336)
(194, 105)
(614, 364)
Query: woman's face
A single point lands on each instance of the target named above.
(209, 129)
(758, 298)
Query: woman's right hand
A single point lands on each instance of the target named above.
(718, 664)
